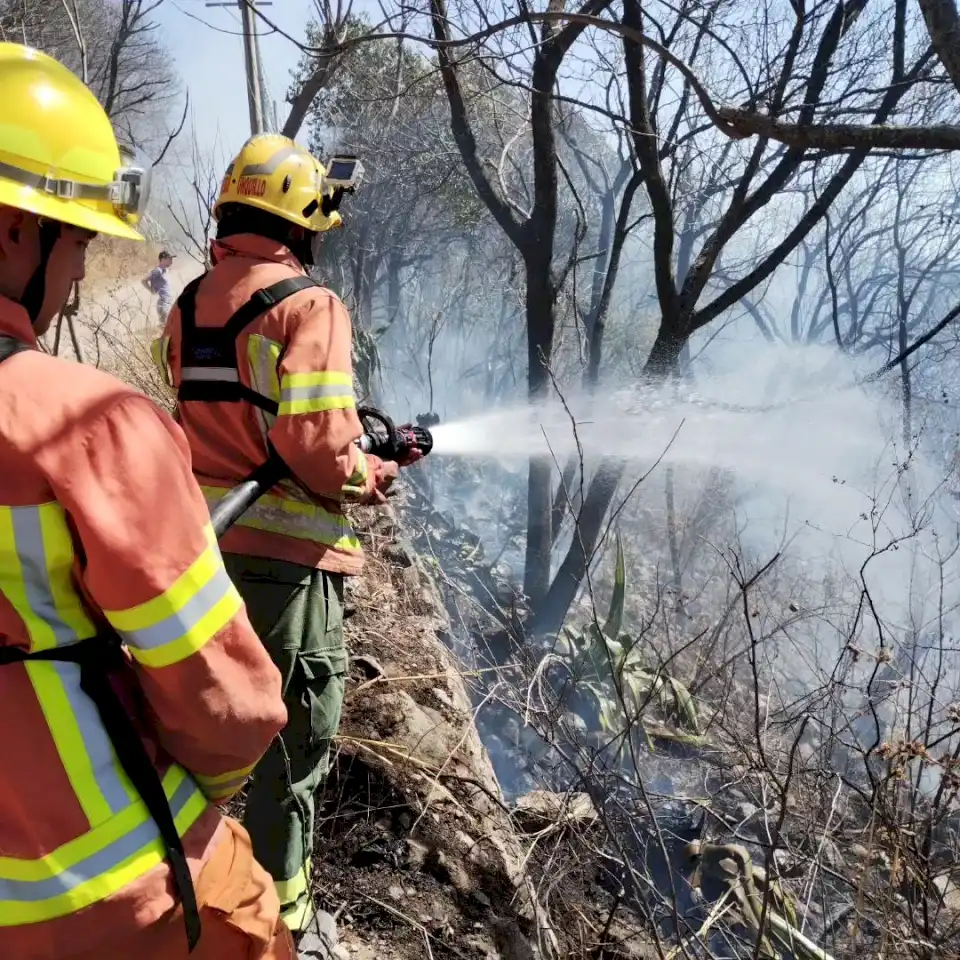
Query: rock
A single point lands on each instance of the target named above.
(400, 553)
(370, 666)
(540, 807)
(949, 891)
(466, 840)
(320, 939)
(504, 593)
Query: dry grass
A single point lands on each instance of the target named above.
(111, 262)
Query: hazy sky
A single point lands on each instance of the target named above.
(208, 48)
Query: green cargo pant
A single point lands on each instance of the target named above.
(298, 614)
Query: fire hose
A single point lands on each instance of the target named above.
(381, 438)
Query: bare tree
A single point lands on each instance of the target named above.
(115, 48)
(800, 76)
(533, 233)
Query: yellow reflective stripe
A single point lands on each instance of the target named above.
(99, 783)
(263, 356)
(223, 785)
(314, 404)
(97, 865)
(315, 392)
(36, 575)
(68, 855)
(294, 518)
(189, 613)
(296, 918)
(160, 352)
(290, 891)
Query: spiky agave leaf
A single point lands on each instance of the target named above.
(686, 708)
(615, 616)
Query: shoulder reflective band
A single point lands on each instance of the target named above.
(95, 657)
(209, 370)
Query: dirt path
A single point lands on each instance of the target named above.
(116, 312)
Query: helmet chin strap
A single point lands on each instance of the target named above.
(302, 249)
(33, 294)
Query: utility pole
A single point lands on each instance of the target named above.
(251, 59)
(252, 64)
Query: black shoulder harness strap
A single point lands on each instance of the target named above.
(98, 657)
(209, 371)
(9, 346)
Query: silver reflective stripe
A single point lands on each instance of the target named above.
(312, 393)
(187, 618)
(220, 374)
(98, 864)
(36, 576)
(112, 782)
(274, 518)
(265, 169)
(34, 562)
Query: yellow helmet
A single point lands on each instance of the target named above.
(274, 173)
(59, 157)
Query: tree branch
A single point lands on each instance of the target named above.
(943, 25)
(837, 137)
(463, 133)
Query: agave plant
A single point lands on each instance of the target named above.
(607, 663)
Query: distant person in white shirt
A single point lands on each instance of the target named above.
(158, 282)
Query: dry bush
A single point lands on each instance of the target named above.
(824, 758)
(112, 262)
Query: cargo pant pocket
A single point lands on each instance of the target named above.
(323, 666)
(322, 676)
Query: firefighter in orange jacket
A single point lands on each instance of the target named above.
(134, 694)
(260, 355)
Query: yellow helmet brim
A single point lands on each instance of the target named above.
(92, 218)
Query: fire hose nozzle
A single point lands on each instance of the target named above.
(391, 442)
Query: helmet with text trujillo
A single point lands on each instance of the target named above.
(275, 174)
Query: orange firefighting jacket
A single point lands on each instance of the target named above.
(296, 356)
(102, 526)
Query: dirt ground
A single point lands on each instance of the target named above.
(112, 262)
